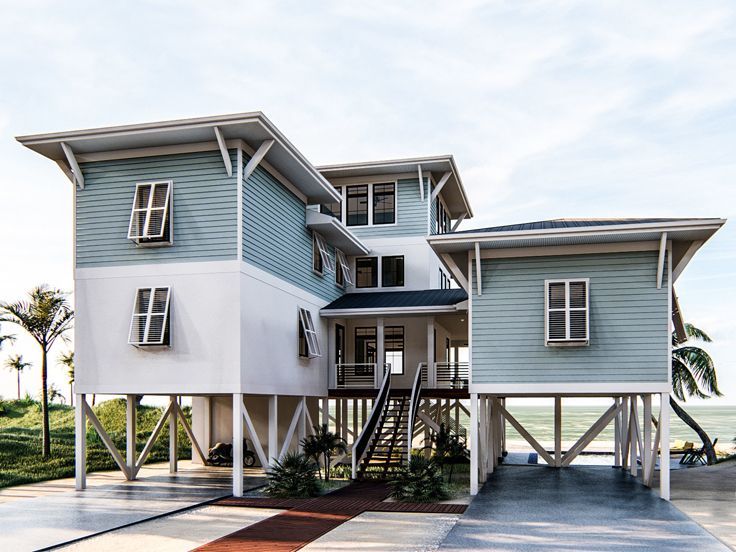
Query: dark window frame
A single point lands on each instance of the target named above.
(357, 197)
(400, 275)
(382, 194)
(386, 331)
(374, 267)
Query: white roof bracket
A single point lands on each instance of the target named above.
(440, 185)
(660, 262)
(421, 182)
(477, 268)
(78, 176)
(223, 151)
(682, 263)
(458, 221)
(257, 157)
(456, 272)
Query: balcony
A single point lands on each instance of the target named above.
(358, 376)
(441, 375)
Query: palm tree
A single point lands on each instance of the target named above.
(323, 444)
(16, 363)
(67, 359)
(9, 338)
(46, 316)
(693, 375)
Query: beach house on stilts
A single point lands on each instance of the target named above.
(213, 260)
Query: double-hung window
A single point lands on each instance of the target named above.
(343, 274)
(357, 205)
(308, 342)
(567, 305)
(366, 272)
(150, 218)
(150, 321)
(321, 259)
(384, 203)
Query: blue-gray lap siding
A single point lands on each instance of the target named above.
(628, 321)
(411, 214)
(204, 208)
(275, 236)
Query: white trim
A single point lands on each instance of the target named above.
(582, 249)
(146, 237)
(256, 158)
(347, 274)
(421, 182)
(479, 275)
(310, 334)
(239, 191)
(397, 311)
(328, 265)
(223, 150)
(148, 316)
(608, 389)
(660, 261)
(72, 160)
(567, 309)
(458, 221)
(454, 269)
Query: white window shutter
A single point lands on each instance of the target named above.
(343, 261)
(150, 215)
(327, 262)
(567, 311)
(305, 319)
(150, 321)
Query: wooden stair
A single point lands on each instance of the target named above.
(388, 448)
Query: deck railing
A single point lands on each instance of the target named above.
(351, 376)
(451, 375)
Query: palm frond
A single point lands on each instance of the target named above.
(684, 383)
(697, 333)
(701, 366)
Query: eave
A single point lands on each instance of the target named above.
(335, 233)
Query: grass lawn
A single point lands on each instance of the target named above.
(20, 440)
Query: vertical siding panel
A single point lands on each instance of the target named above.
(628, 314)
(275, 236)
(204, 207)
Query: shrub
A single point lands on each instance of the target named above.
(3, 408)
(293, 477)
(323, 445)
(420, 481)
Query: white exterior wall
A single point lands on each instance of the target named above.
(204, 326)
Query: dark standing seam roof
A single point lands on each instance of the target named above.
(568, 223)
(394, 299)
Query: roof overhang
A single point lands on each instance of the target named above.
(253, 128)
(453, 191)
(335, 233)
(394, 311)
(687, 236)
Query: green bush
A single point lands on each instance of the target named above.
(420, 481)
(293, 477)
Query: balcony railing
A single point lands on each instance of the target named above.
(356, 376)
(451, 375)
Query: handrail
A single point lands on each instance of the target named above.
(355, 375)
(364, 439)
(416, 390)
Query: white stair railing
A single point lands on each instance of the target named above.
(369, 429)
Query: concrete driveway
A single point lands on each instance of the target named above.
(575, 509)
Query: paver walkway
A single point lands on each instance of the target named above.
(579, 508)
(309, 519)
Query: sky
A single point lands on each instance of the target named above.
(551, 109)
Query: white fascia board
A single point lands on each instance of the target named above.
(471, 237)
(610, 389)
(392, 311)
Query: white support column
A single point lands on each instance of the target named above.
(558, 432)
(130, 436)
(344, 420)
(338, 418)
(431, 367)
(173, 441)
(625, 433)
(485, 447)
(80, 443)
(474, 438)
(273, 429)
(356, 428)
(617, 436)
(238, 444)
(664, 456)
(207, 423)
(380, 356)
(646, 452)
(634, 430)
(326, 412)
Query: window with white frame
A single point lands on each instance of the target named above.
(567, 311)
(308, 342)
(342, 269)
(150, 217)
(321, 259)
(150, 321)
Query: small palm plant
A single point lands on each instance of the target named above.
(448, 449)
(693, 375)
(46, 316)
(293, 477)
(17, 363)
(323, 445)
(420, 481)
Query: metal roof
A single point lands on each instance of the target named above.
(570, 223)
(398, 299)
